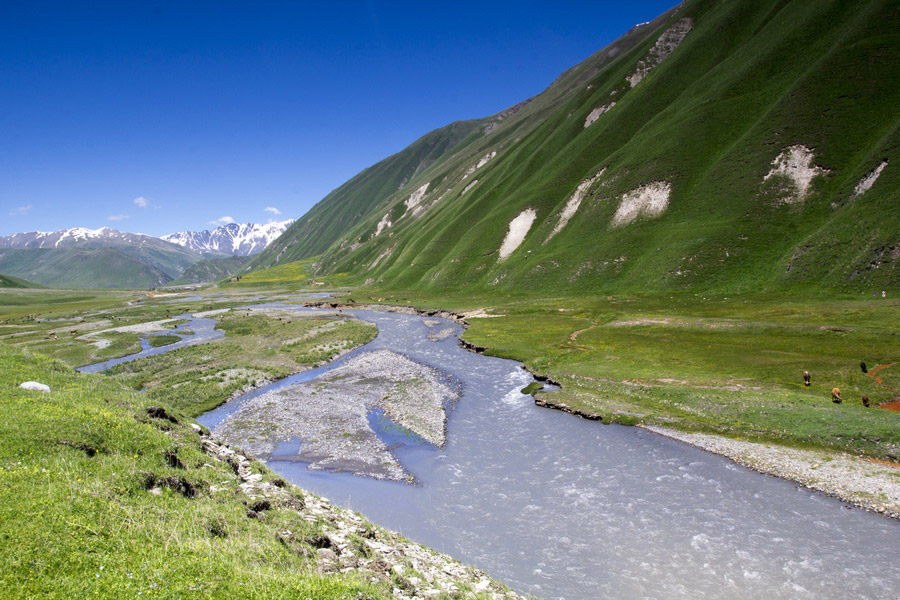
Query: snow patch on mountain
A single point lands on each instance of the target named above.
(71, 237)
(518, 229)
(234, 239)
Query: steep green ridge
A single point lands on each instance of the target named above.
(80, 268)
(212, 269)
(344, 207)
(693, 179)
(7, 281)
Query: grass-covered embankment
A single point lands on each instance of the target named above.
(104, 495)
(78, 521)
(725, 365)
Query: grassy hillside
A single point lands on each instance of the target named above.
(212, 269)
(344, 207)
(80, 268)
(726, 146)
(7, 281)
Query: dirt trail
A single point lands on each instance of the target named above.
(878, 379)
(573, 337)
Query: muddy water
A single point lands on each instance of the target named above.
(561, 507)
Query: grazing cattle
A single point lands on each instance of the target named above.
(806, 378)
(862, 366)
(865, 400)
(836, 395)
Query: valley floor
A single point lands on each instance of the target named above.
(724, 374)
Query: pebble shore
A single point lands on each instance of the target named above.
(860, 481)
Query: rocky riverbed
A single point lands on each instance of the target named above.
(331, 416)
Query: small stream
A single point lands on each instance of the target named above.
(198, 330)
(560, 507)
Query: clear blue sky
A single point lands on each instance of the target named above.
(202, 110)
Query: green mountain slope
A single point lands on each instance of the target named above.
(344, 207)
(727, 145)
(212, 269)
(80, 268)
(7, 281)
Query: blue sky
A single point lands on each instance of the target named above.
(164, 116)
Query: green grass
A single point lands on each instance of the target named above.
(729, 365)
(80, 526)
(156, 341)
(289, 274)
(87, 268)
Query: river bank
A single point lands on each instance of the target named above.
(862, 482)
(858, 480)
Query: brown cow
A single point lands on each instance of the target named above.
(836, 395)
(865, 400)
(806, 378)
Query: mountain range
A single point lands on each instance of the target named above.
(232, 239)
(726, 145)
(106, 258)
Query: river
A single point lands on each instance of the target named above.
(560, 507)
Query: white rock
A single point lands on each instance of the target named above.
(34, 385)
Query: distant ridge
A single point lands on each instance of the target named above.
(8, 281)
(169, 258)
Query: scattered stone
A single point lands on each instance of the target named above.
(648, 200)
(377, 555)
(664, 46)
(331, 415)
(795, 167)
(34, 385)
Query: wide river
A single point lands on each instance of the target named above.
(560, 507)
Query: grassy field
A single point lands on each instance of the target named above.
(294, 273)
(728, 365)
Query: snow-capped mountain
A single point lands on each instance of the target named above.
(73, 236)
(235, 239)
(170, 258)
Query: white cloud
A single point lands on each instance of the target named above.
(20, 211)
(272, 210)
(117, 217)
(222, 221)
(142, 202)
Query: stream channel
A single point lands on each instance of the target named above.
(560, 507)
